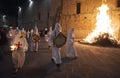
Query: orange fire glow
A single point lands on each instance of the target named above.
(13, 47)
(103, 25)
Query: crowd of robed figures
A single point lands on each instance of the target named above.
(22, 40)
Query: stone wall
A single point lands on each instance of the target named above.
(29, 15)
(47, 10)
(84, 23)
(54, 5)
(43, 14)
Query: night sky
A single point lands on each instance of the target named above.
(10, 7)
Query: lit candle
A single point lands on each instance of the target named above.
(13, 47)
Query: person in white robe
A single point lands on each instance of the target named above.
(11, 35)
(56, 57)
(31, 42)
(28, 34)
(36, 43)
(18, 54)
(17, 30)
(49, 35)
(28, 39)
(70, 48)
(24, 31)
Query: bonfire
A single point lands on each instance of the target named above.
(103, 34)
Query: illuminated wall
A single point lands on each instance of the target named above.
(84, 22)
(79, 14)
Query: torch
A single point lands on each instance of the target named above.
(15, 47)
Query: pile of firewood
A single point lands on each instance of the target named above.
(106, 40)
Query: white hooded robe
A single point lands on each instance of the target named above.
(55, 51)
(36, 43)
(18, 56)
(49, 36)
(32, 44)
(71, 50)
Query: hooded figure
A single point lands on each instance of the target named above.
(23, 30)
(49, 35)
(56, 51)
(28, 34)
(34, 45)
(31, 32)
(11, 35)
(18, 55)
(31, 42)
(71, 50)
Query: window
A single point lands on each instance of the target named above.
(118, 3)
(78, 8)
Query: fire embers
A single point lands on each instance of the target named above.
(104, 33)
(106, 40)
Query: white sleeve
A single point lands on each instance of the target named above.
(24, 44)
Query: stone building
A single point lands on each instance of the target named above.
(78, 14)
(28, 15)
(81, 14)
(40, 13)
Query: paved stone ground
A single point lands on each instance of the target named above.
(92, 62)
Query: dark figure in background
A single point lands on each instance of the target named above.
(3, 41)
(41, 33)
(46, 31)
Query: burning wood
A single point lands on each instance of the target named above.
(103, 40)
(106, 40)
(103, 33)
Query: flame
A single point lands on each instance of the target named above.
(13, 47)
(102, 25)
